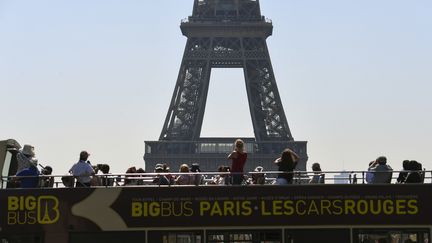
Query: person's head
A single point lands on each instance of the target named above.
(414, 165)
(159, 168)
(195, 167)
(316, 167)
(166, 168)
(105, 168)
(184, 168)
(287, 156)
(131, 170)
(140, 170)
(47, 170)
(382, 160)
(405, 164)
(239, 145)
(259, 169)
(28, 151)
(84, 155)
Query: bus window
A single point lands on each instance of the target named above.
(21, 238)
(244, 236)
(317, 235)
(391, 236)
(108, 237)
(175, 236)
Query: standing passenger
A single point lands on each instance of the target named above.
(238, 157)
(30, 175)
(286, 163)
(82, 170)
(26, 157)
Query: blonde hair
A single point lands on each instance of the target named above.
(239, 144)
(184, 168)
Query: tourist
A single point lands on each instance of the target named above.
(238, 157)
(404, 173)
(198, 179)
(29, 177)
(82, 170)
(160, 179)
(223, 178)
(258, 177)
(129, 174)
(106, 180)
(26, 157)
(184, 179)
(382, 173)
(140, 171)
(286, 163)
(416, 174)
(318, 177)
(369, 174)
(47, 181)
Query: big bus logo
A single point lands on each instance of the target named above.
(33, 210)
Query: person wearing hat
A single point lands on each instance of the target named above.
(26, 157)
(82, 170)
(161, 179)
(29, 177)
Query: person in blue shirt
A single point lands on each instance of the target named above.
(30, 177)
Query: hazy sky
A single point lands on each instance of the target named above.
(354, 78)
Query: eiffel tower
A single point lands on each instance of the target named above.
(224, 34)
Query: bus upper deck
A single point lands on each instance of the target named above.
(208, 213)
(144, 211)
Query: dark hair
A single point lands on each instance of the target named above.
(316, 167)
(195, 168)
(84, 155)
(405, 164)
(104, 168)
(382, 160)
(414, 165)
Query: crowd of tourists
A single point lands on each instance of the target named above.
(84, 174)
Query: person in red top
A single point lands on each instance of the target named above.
(238, 157)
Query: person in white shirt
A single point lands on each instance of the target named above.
(82, 170)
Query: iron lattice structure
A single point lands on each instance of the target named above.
(224, 34)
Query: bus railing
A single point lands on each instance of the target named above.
(209, 178)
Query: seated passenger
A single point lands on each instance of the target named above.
(258, 178)
(140, 171)
(128, 181)
(318, 177)
(404, 173)
(47, 181)
(382, 173)
(30, 177)
(415, 174)
(160, 179)
(369, 174)
(198, 179)
(184, 179)
(106, 180)
(95, 180)
(222, 179)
